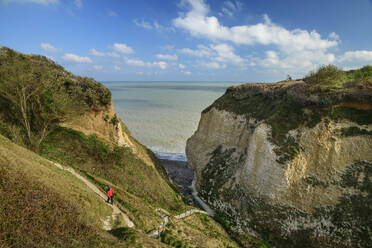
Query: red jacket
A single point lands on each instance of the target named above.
(110, 192)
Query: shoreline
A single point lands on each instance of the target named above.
(183, 178)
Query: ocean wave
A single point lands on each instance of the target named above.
(171, 156)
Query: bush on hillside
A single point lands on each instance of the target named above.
(365, 73)
(325, 75)
(363, 77)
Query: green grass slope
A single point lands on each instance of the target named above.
(42, 205)
(139, 188)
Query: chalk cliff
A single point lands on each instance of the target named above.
(289, 163)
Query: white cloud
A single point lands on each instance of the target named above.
(51, 58)
(140, 73)
(197, 23)
(334, 36)
(300, 62)
(181, 66)
(226, 54)
(137, 62)
(112, 13)
(44, 2)
(116, 68)
(78, 3)
(134, 62)
(229, 8)
(213, 65)
(98, 67)
(187, 73)
(112, 54)
(202, 51)
(294, 50)
(167, 56)
(168, 47)
(355, 56)
(154, 25)
(220, 53)
(122, 48)
(161, 64)
(347, 68)
(94, 52)
(75, 58)
(157, 25)
(272, 59)
(49, 48)
(143, 24)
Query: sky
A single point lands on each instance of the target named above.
(191, 40)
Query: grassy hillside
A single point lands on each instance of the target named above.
(42, 205)
(36, 96)
(139, 188)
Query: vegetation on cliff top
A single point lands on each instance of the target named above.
(36, 94)
(328, 92)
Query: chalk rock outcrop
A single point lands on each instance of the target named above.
(288, 165)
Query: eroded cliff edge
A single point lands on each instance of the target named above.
(289, 163)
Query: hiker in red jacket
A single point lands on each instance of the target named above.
(110, 195)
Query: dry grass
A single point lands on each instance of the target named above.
(32, 215)
(43, 206)
(200, 230)
(140, 188)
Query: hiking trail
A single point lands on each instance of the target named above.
(165, 215)
(115, 210)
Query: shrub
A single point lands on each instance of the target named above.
(124, 233)
(167, 238)
(364, 73)
(114, 120)
(363, 77)
(325, 75)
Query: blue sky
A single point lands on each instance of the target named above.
(191, 40)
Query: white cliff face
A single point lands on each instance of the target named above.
(325, 154)
(237, 170)
(214, 127)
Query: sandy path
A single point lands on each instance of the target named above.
(116, 211)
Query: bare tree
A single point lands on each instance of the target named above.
(30, 92)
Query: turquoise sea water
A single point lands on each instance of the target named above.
(163, 115)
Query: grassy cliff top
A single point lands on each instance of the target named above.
(18, 69)
(36, 94)
(326, 87)
(286, 105)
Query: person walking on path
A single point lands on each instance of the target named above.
(110, 195)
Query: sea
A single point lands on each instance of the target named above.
(163, 115)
